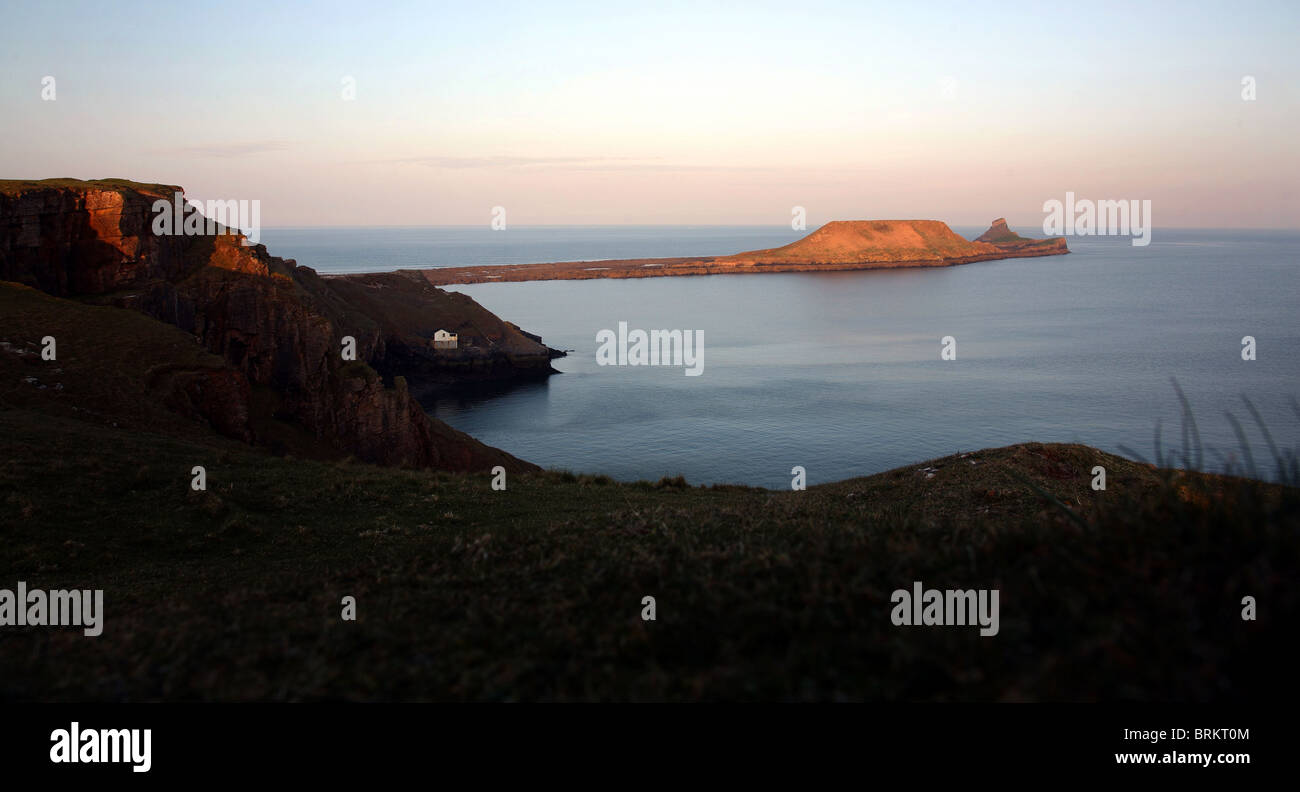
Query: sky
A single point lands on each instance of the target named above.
(695, 113)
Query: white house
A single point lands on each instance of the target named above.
(444, 340)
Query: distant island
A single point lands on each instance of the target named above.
(838, 245)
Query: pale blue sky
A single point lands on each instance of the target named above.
(665, 113)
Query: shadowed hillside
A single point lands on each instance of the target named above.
(279, 327)
(121, 369)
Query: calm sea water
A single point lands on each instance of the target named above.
(387, 249)
(841, 372)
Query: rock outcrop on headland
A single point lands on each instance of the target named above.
(838, 245)
(278, 326)
(408, 310)
(999, 232)
(1006, 239)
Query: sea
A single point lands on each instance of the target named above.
(845, 374)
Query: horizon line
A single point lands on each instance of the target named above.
(733, 225)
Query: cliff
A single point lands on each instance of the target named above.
(278, 326)
(838, 245)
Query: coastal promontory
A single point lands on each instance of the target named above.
(296, 363)
(838, 245)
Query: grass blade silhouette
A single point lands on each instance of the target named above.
(1245, 446)
(1268, 437)
(1189, 421)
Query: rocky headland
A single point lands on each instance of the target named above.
(838, 245)
(276, 329)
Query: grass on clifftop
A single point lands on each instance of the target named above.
(18, 186)
(535, 592)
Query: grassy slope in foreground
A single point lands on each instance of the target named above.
(534, 593)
